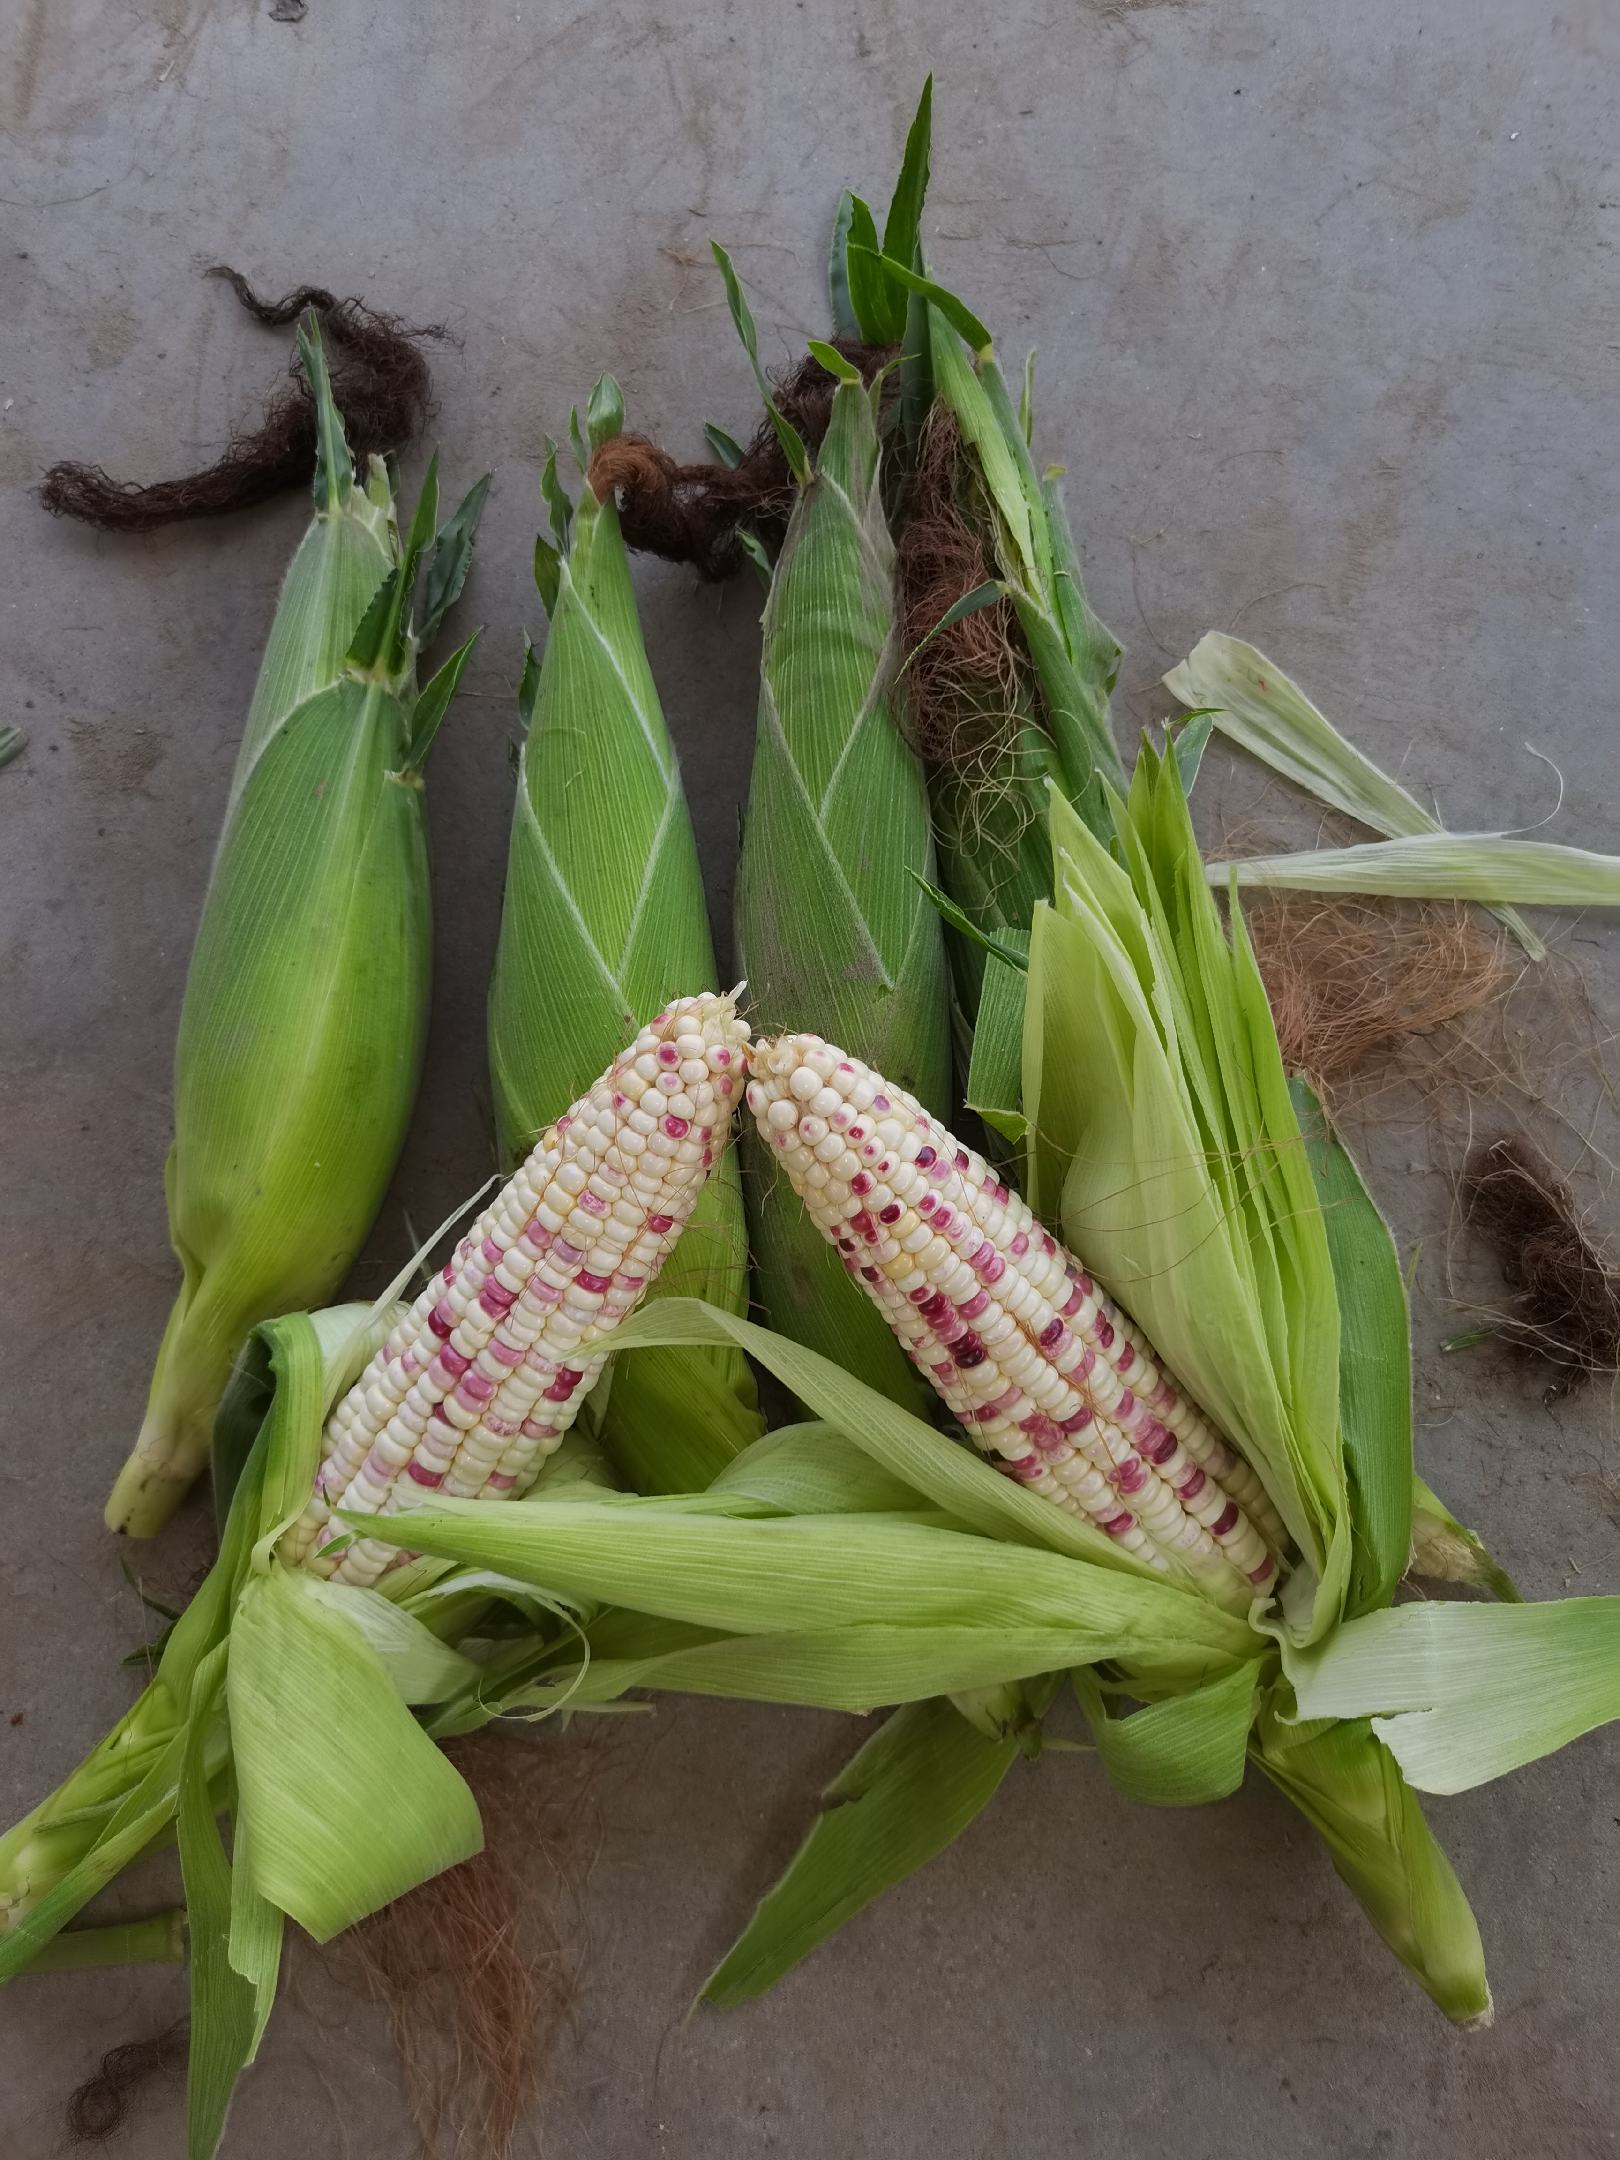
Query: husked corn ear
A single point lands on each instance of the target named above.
(476, 1387)
(1040, 1368)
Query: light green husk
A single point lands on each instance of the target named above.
(604, 921)
(305, 1009)
(1260, 708)
(834, 933)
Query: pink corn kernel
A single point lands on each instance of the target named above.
(1050, 1334)
(1076, 1300)
(1020, 1246)
(1131, 1475)
(975, 1305)
(944, 1222)
(596, 1284)
(668, 1054)
(496, 1299)
(568, 1255)
(660, 1223)
(1027, 1469)
(536, 1236)
(934, 1305)
(1259, 1574)
(881, 1102)
(1086, 1367)
(722, 1057)
(1192, 1484)
(860, 1182)
(1046, 1436)
(441, 1319)
(961, 1159)
(570, 1374)
(925, 1155)
(542, 1293)
(1117, 1525)
(1077, 1423)
(1127, 1356)
(944, 1370)
(1047, 1245)
(498, 1481)
(502, 1428)
(474, 1391)
(989, 1266)
(535, 1429)
(857, 1133)
(1105, 1334)
(592, 1202)
(1157, 1444)
(1225, 1520)
(492, 1252)
(677, 1127)
(927, 1204)
(1125, 1408)
(450, 1364)
(558, 1392)
(861, 1223)
(423, 1476)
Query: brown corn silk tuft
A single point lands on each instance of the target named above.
(698, 513)
(381, 383)
(478, 1968)
(99, 2109)
(1360, 984)
(963, 682)
(1568, 1294)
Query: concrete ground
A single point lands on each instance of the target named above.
(1325, 303)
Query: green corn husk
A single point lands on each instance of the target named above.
(305, 1010)
(861, 1561)
(834, 931)
(604, 920)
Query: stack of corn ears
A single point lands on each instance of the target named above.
(305, 1010)
(477, 1390)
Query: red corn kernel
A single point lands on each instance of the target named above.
(597, 1284)
(1259, 1574)
(660, 1223)
(677, 1127)
(441, 1319)
(1225, 1520)
(422, 1476)
(860, 1182)
(1192, 1484)
(891, 1213)
(1131, 1475)
(1105, 1334)
(925, 1155)
(1078, 1423)
(1117, 1525)
(971, 1353)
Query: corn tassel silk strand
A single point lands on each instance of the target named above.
(476, 1387)
(1040, 1368)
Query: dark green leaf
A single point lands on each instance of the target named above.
(723, 448)
(547, 572)
(956, 312)
(604, 415)
(448, 564)
(846, 323)
(742, 315)
(908, 1793)
(556, 496)
(902, 231)
(425, 518)
(878, 312)
(1375, 1363)
(427, 714)
(528, 683)
(1008, 954)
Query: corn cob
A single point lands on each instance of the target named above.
(1037, 1364)
(477, 1386)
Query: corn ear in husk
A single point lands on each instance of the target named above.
(834, 931)
(604, 920)
(305, 1010)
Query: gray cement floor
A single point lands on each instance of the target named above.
(1325, 299)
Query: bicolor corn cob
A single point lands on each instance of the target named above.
(1039, 1367)
(477, 1386)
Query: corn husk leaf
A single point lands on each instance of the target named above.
(1261, 709)
(1493, 868)
(1461, 1693)
(1162, 1131)
(833, 932)
(1179, 1753)
(909, 1792)
(1445, 1550)
(604, 921)
(1348, 1787)
(1375, 1364)
(305, 1011)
